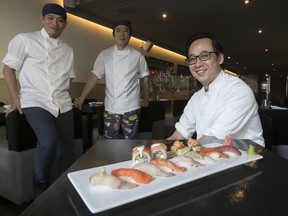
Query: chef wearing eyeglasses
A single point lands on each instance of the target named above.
(225, 105)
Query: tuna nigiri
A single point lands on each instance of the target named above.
(167, 165)
(132, 175)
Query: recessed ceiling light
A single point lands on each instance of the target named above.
(228, 57)
(164, 15)
(266, 50)
(260, 31)
(246, 1)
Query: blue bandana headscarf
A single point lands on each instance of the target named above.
(126, 23)
(54, 9)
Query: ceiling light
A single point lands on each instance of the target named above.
(266, 50)
(260, 31)
(246, 1)
(164, 15)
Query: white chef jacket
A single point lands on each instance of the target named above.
(46, 66)
(122, 70)
(228, 108)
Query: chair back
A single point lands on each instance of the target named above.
(267, 125)
(178, 106)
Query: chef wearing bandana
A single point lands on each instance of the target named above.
(46, 66)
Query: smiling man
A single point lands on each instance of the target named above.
(123, 68)
(46, 66)
(225, 106)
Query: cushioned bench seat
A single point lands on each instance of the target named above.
(17, 171)
(17, 160)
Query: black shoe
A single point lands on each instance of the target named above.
(39, 187)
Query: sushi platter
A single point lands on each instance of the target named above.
(101, 200)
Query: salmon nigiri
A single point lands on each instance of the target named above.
(132, 175)
(167, 165)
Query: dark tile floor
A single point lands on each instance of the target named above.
(8, 208)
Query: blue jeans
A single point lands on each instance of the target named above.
(55, 139)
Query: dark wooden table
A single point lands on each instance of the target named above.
(257, 188)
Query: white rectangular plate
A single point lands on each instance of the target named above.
(98, 201)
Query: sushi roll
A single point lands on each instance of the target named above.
(141, 154)
(194, 144)
(178, 148)
(158, 150)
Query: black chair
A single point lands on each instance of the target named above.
(178, 106)
(154, 112)
(267, 125)
(19, 133)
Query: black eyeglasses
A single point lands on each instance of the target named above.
(204, 56)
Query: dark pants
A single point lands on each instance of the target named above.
(55, 139)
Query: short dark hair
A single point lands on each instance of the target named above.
(215, 42)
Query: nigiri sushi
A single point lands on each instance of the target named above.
(229, 150)
(185, 161)
(152, 170)
(213, 152)
(167, 165)
(103, 181)
(201, 158)
(132, 175)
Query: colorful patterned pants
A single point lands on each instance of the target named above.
(128, 123)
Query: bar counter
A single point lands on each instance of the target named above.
(255, 188)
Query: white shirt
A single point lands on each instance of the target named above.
(228, 108)
(46, 66)
(122, 70)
